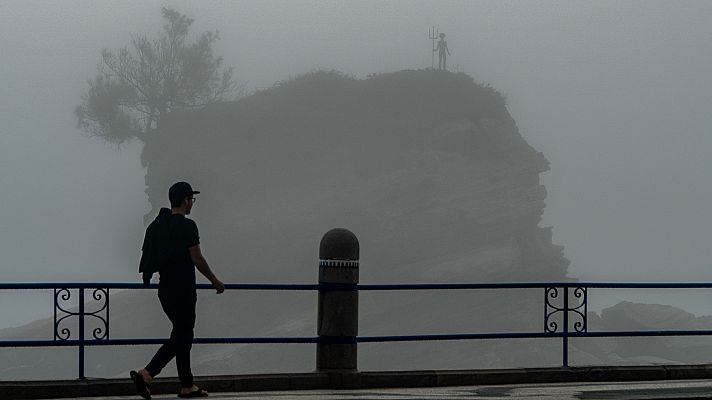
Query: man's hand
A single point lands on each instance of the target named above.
(197, 257)
(147, 278)
(219, 286)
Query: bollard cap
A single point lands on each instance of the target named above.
(339, 244)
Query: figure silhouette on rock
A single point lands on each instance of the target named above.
(443, 52)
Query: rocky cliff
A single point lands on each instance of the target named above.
(426, 167)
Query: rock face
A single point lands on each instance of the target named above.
(427, 168)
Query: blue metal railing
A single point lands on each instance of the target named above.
(565, 314)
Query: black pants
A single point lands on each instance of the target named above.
(180, 309)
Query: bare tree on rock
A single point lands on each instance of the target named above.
(137, 85)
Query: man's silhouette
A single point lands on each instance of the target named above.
(177, 293)
(443, 52)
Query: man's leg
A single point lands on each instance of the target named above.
(168, 350)
(184, 328)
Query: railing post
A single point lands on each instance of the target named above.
(566, 327)
(338, 302)
(81, 334)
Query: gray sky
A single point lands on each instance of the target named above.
(616, 94)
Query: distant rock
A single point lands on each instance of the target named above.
(636, 316)
(628, 316)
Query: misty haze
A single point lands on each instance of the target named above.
(462, 142)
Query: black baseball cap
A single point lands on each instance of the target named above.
(179, 191)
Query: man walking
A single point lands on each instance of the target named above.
(177, 292)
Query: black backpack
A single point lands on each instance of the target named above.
(156, 249)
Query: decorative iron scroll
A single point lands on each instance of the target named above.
(575, 306)
(62, 312)
(581, 296)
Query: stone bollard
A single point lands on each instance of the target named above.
(338, 304)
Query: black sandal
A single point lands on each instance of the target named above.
(141, 385)
(194, 393)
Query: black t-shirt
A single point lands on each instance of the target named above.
(179, 274)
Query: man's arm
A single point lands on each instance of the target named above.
(197, 256)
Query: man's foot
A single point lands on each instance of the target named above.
(145, 375)
(141, 385)
(192, 392)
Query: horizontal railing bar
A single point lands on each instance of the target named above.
(527, 335)
(641, 333)
(369, 287)
(90, 285)
(257, 340)
(359, 339)
(48, 343)
(125, 342)
(537, 285)
(450, 286)
(466, 336)
(264, 286)
(639, 285)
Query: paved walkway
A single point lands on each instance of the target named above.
(696, 389)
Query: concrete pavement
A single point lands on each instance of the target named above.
(653, 381)
(687, 389)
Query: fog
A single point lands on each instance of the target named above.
(615, 94)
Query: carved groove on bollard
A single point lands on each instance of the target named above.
(338, 264)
